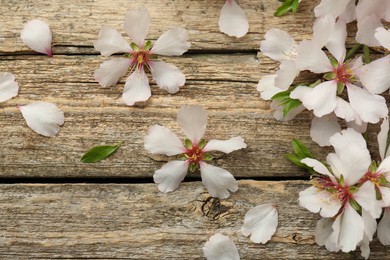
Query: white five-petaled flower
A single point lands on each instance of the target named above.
(193, 154)
(220, 247)
(9, 88)
(36, 34)
(260, 222)
(43, 117)
(140, 55)
(232, 20)
(345, 193)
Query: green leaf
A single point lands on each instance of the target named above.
(192, 167)
(207, 157)
(188, 144)
(281, 95)
(355, 205)
(330, 76)
(353, 50)
(293, 103)
(148, 45)
(295, 160)
(99, 153)
(366, 54)
(341, 180)
(300, 149)
(340, 88)
(134, 46)
(333, 61)
(202, 143)
(294, 6)
(284, 8)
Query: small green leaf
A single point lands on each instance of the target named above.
(182, 157)
(281, 95)
(316, 83)
(341, 180)
(340, 88)
(207, 157)
(333, 61)
(373, 166)
(295, 160)
(366, 54)
(353, 50)
(293, 103)
(353, 189)
(301, 149)
(202, 143)
(188, 144)
(153, 57)
(192, 167)
(148, 45)
(330, 76)
(355, 205)
(294, 6)
(99, 153)
(134, 46)
(284, 8)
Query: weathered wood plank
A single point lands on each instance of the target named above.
(224, 84)
(136, 222)
(75, 24)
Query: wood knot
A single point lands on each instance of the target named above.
(213, 208)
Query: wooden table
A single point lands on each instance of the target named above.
(53, 206)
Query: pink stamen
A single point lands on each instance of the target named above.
(343, 73)
(195, 154)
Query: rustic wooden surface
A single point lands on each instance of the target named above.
(50, 219)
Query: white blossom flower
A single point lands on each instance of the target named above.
(232, 20)
(193, 154)
(43, 117)
(220, 247)
(346, 192)
(260, 222)
(9, 88)
(140, 55)
(384, 228)
(323, 99)
(36, 34)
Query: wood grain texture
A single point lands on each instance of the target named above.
(134, 221)
(75, 24)
(224, 84)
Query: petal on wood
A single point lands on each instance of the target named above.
(36, 34)
(9, 88)
(110, 41)
(193, 120)
(220, 247)
(232, 20)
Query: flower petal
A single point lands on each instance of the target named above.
(9, 88)
(232, 20)
(336, 42)
(319, 201)
(375, 76)
(366, 30)
(170, 175)
(260, 222)
(220, 247)
(382, 138)
(321, 99)
(318, 167)
(366, 197)
(384, 228)
(136, 88)
(278, 45)
(110, 41)
(226, 146)
(311, 57)
(383, 37)
(217, 181)
(344, 110)
(323, 29)
(384, 167)
(36, 34)
(286, 74)
(137, 24)
(341, 140)
(167, 76)
(43, 117)
(161, 140)
(322, 128)
(323, 231)
(331, 7)
(174, 42)
(267, 88)
(348, 230)
(110, 71)
(193, 120)
(370, 107)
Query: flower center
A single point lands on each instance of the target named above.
(195, 154)
(141, 59)
(343, 73)
(339, 191)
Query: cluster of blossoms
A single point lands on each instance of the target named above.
(350, 191)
